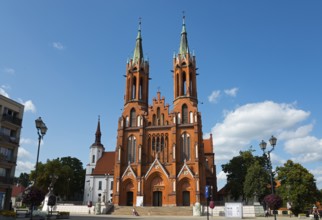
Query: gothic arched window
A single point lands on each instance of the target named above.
(131, 149)
(132, 118)
(141, 89)
(184, 114)
(133, 88)
(158, 116)
(185, 146)
(184, 85)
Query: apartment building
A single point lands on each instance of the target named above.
(11, 114)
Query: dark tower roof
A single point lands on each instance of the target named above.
(184, 48)
(138, 51)
(98, 135)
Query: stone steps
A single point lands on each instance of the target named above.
(154, 211)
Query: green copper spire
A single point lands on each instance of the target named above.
(184, 48)
(138, 51)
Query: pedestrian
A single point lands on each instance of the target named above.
(315, 213)
(135, 212)
(266, 213)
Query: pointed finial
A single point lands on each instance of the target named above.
(99, 117)
(140, 19)
(183, 17)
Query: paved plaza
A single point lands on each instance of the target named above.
(101, 217)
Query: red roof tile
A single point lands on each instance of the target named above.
(16, 190)
(105, 165)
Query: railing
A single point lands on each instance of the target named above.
(11, 119)
(9, 139)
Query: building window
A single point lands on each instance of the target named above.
(132, 118)
(111, 185)
(99, 185)
(184, 86)
(185, 146)
(133, 88)
(158, 116)
(93, 158)
(2, 172)
(141, 89)
(184, 114)
(131, 149)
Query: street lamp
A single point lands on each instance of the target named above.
(41, 130)
(263, 145)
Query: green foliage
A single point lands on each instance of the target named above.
(70, 175)
(236, 170)
(33, 196)
(7, 213)
(297, 186)
(256, 181)
(273, 201)
(23, 179)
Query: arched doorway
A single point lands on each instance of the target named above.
(129, 189)
(157, 198)
(129, 198)
(186, 198)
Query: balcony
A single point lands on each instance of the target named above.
(12, 120)
(9, 139)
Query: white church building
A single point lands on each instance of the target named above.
(98, 185)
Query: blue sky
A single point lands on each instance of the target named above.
(259, 72)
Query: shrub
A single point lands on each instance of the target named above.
(33, 196)
(274, 202)
(7, 213)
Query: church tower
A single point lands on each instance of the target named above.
(159, 156)
(96, 151)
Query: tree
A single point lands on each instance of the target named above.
(236, 170)
(256, 181)
(298, 186)
(74, 183)
(70, 173)
(33, 196)
(23, 179)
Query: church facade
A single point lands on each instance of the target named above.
(161, 158)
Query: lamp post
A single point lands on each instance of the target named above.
(41, 130)
(263, 145)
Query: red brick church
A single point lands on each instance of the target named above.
(161, 158)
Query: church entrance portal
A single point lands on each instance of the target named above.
(186, 198)
(157, 198)
(129, 198)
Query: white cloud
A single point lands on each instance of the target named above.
(4, 93)
(221, 176)
(58, 45)
(248, 124)
(24, 167)
(26, 141)
(10, 71)
(213, 98)
(23, 153)
(252, 122)
(231, 92)
(29, 106)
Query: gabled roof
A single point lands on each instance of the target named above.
(105, 165)
(185, 167)
(156, 163)
(129, 171)
(16, 190)
(208, 145)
